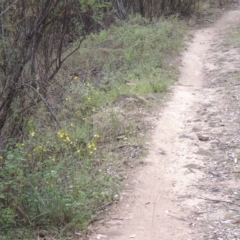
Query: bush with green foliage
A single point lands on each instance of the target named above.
(63, 176)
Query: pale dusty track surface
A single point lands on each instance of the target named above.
(165, 199)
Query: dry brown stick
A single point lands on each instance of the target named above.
(217, 200)
(103, 207)
(229, 207)
(153, 213)
(129, 145)
(178, 218)
(191, 170)
(236, 198)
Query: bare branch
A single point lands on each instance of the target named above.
(45, 102)
(8, 7)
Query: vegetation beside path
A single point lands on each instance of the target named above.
(68, 160)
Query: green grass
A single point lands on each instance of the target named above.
(59, 178)
(139, 54)
(233, 38)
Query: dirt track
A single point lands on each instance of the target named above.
(187, 189)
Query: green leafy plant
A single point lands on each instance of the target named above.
(62, 176)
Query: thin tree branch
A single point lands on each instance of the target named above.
(8, 7)
(45, 102)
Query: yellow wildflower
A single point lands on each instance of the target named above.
(60, 134)
(32, 133)
(38, 148)
(52, 158)
(19, 145)
(67, 139)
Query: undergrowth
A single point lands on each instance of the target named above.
(233, 37)
(138, 52)
(61, 177)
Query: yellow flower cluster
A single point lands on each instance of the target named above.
(92, 144)
(19, 145)
(32, 133)
(39, 149)
(52, 158)
(64, 136)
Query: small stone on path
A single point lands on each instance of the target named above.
(203, 138)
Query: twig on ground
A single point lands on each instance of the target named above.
(178, 218)
(217, 200)
(229, 208)
(103, 206)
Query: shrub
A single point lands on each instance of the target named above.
(62, 176)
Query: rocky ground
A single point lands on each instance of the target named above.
(218, 120)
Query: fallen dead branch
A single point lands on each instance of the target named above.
(178, 218)
(218, 200)
(229, 208)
